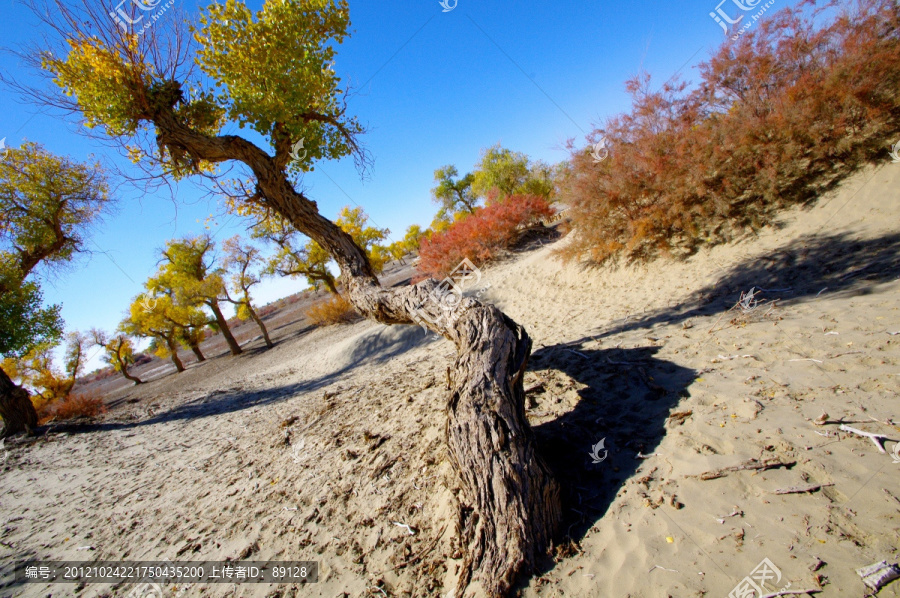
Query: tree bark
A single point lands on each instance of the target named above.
(262, 327)
(16, 408)
(195, 347)
(173, 349)
(329, 282)
(513, 501)
(223, 327)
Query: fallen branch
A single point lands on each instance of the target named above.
(751, 465)
(791, 593)
(802, 489)
(875, 438)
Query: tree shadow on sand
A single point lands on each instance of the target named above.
(806, 267)
(627, 398)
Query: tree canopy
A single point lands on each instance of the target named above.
(47, 205)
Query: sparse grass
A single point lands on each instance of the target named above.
(335, 310)
(76, 405)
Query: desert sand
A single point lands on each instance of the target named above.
(325, 447)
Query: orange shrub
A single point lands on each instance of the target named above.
(480, 236)
(786, 110)
(335, 310)
(80, 405)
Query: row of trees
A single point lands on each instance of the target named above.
(48, 205)
(183, 300)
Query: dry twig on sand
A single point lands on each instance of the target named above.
(752, 465)
(791, 593)
(802, 489)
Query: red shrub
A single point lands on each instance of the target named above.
(480, 236)
(789, 108)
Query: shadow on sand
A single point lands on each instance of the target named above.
(626, 400)
(798, 271)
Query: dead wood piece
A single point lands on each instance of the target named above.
(802, 489)
(751, 465)
(875, 438)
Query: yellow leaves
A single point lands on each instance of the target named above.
(104, 82)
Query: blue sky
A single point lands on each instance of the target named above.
(432, 87)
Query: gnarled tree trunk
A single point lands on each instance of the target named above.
(223, 327)
(16, 408)
(514, 501)
(123, 365)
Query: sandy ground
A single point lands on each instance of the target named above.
(320, 447)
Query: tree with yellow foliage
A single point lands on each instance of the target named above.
(173, 96)
(189, 276)
(48, 204)
(119, 350)
(241, 260)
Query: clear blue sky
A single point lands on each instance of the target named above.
(433, 87)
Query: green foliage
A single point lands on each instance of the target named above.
(105, 81)
(504, 172)
(47, 204)
(24, 323)
(187, 273)
(454, 194)
(274, 70)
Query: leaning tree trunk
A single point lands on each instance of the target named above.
(329, 283)
(129, 376)
(223, 326)
(16, 408)
(123, 366)
(514, 500)
(195, 347)
(262, 326)
(173, 349)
